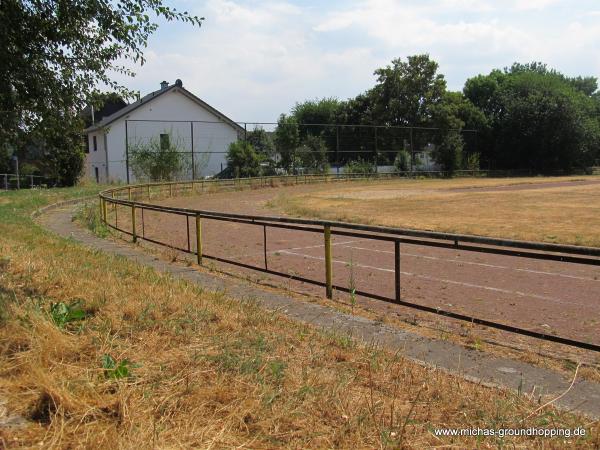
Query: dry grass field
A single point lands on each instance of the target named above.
(558, 210)
(99, 352)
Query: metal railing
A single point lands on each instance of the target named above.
(130, 197)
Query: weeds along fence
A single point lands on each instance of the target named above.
(124, 209)
(10, 181)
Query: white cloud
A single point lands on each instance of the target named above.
(255, 60)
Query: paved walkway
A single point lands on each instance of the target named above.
(470, 364)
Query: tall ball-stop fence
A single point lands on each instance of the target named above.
(202, 146)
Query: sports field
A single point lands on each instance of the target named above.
(558, 210)
(550, 297)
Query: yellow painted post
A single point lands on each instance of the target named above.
(133, 223)
(328, 266)
(199, 239)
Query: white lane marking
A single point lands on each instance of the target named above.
(493, 266)
(273, 252)
(443, 280)
(317, 246)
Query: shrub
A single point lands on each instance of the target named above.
(243, 159)
(402, 161)
(157, 159)
(359, 167)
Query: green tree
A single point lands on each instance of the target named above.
(262, 142)
(538, 119)
(243, 160)
(54, 55)
(287, 140)
(406, 92)
(312, 155)
(5, 155)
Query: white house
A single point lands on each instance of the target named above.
(171, 113)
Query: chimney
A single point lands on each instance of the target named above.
(164, 85)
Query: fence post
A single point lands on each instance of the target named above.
(265, 246)
(199, 239)
(129, 193)
(328, 266)
(30, 181)
(104, 210)
(397, 270)
(170, 189)
(133, 224)
(6, 181)
(101, 207)
(148, 191)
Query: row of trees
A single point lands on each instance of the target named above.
(526, 117)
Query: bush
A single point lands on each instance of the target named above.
(243, 160)
(402, 161)
(157, 159)
(471, 161)
(359, 167)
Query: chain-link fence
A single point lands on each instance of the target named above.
(202, 146)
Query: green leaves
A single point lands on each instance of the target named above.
(117, 370)
(63, 314)
(157, 159)
(54, 55)
(243, 159)
(538, 119)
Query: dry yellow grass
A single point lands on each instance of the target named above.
(562, 214)
(208, 371)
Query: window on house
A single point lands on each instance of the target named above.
(164, 141)
(95, 144)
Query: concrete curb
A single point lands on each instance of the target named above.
(38, 212)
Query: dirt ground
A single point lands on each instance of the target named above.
(544, 296)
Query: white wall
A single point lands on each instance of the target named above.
(96, 159)
(210, 140)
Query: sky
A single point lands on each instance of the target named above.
(253, 60)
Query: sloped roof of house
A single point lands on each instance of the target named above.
(153, 95)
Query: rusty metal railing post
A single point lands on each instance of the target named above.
(397, 270)
(104, 213)
(199, 239)
(328, 265)
(133, 234)
(265, 246)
